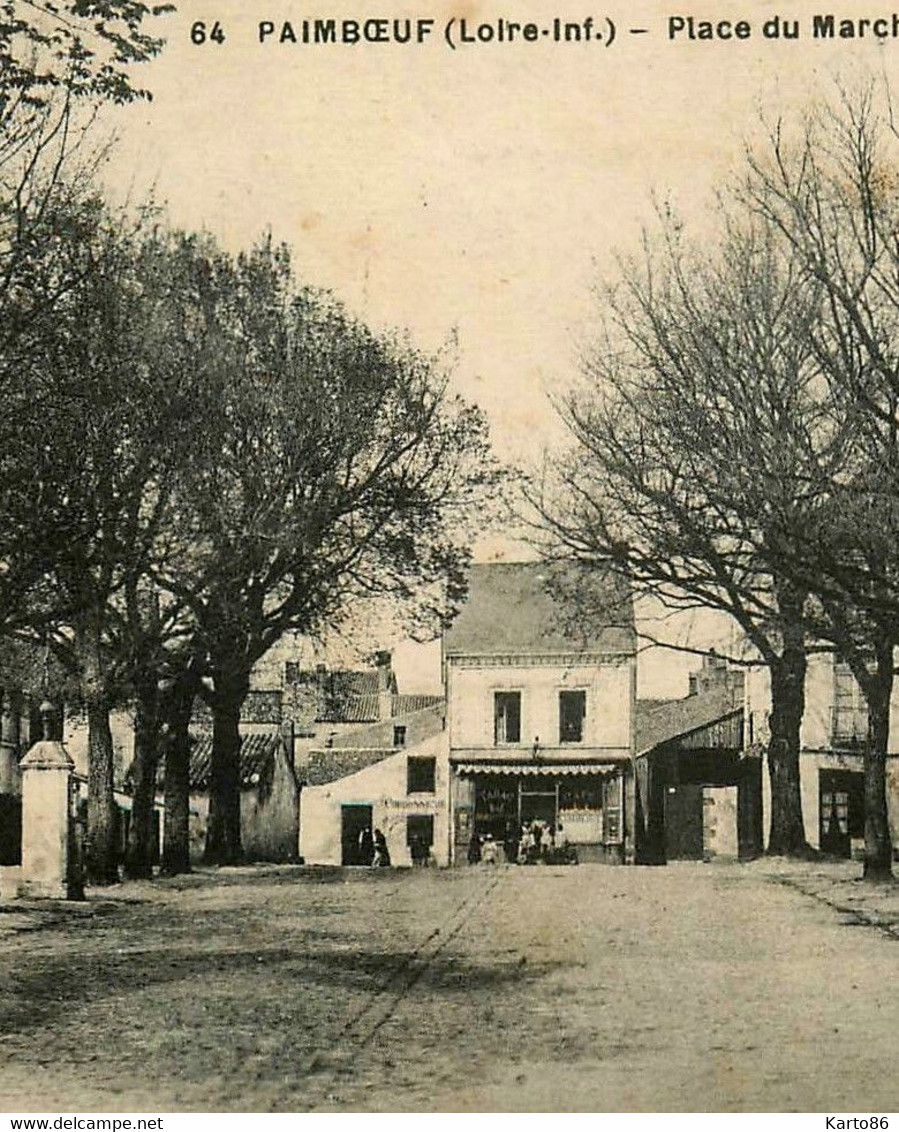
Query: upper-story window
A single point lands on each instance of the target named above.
(399, 735)
(850, 712)
(507, 717)
(421, 775)
(572, 711)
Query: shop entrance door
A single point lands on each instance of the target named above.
(353, 820)
(538, 807)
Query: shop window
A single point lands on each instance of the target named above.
(421, 775)
(507, 717)
(420, 830)
(572, 710)
(399, 735)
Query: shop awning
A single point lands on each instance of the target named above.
(535, 768)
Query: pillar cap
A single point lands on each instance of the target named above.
(47, 754)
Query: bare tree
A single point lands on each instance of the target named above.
(828, 189)
(703, 429)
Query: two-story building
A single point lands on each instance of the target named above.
(537, 725)
(831, 766)
(540, 676)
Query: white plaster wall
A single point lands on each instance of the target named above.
(383, 787)
(609, 691)
(819, 696)
(815, 740)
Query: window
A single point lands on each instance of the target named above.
(420, 775)
(850, 713)
(399, 735)
(572, 709)
(507, 717)
(420, 830)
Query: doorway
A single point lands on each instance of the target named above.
(354, 819)
(683, 823)
(538, 807)
(841, 810)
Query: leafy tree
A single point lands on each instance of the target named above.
(104, 415)
(334, 466)
(82, 47)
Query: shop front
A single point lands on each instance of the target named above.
(575, 811)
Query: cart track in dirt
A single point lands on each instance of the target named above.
(324, 1066)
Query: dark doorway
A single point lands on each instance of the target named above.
(538, 807)
(683, 822)
(354, 821)
(841, 810)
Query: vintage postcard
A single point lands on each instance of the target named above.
(448, 511)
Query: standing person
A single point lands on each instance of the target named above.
(382, 853)
(524, 845)
(366, 847)
(511, 842)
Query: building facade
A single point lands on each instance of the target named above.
(540, 683)
(832, 739)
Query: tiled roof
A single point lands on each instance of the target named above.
(404, 704)
(366, 708)
(352, 709)
(256, 751)
(535, 607)
(347, 696)
(326, 766)
(658, 723)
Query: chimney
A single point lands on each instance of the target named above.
(383, 662)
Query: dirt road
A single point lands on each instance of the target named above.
(693, 988)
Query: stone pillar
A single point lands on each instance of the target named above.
(47, 837)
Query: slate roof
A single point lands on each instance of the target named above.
(256, 751)
(535, 607)
(658, 723)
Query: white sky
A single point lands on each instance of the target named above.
(477, 192)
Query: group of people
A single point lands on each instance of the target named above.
(536, 842)
(373, 849)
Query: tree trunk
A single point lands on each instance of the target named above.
(787, 833)
(101, 853)
(878, 844)
(141, 850)
(176, 835)
(223, 845)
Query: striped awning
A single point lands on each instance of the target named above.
(536, 768)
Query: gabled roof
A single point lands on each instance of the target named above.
(536, 607)
(658, 723)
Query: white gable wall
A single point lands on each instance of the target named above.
(383, 787)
